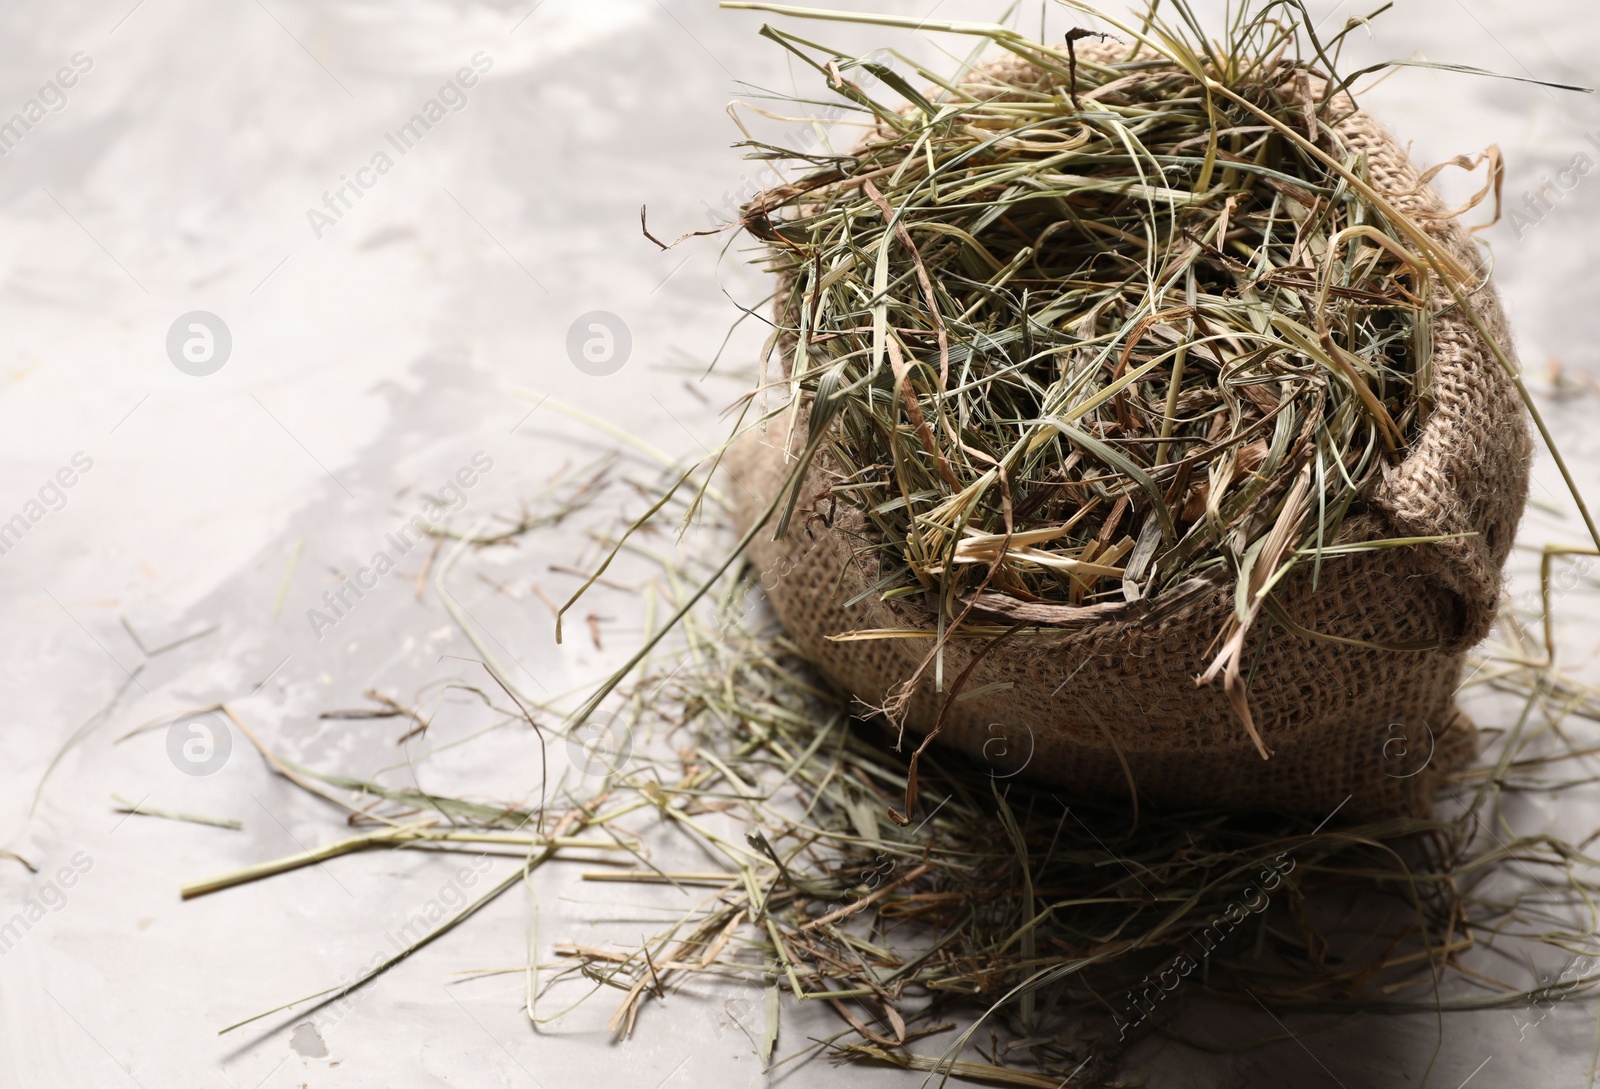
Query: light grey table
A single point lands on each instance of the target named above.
(221, 158)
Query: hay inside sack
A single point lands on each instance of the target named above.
(1330, 555)
(1092, 324)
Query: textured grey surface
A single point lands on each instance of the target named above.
(371, 363)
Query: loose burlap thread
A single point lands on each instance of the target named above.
(1109, 705)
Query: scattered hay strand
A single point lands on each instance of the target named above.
(1008, 910)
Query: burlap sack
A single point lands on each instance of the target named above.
(1110, 704)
